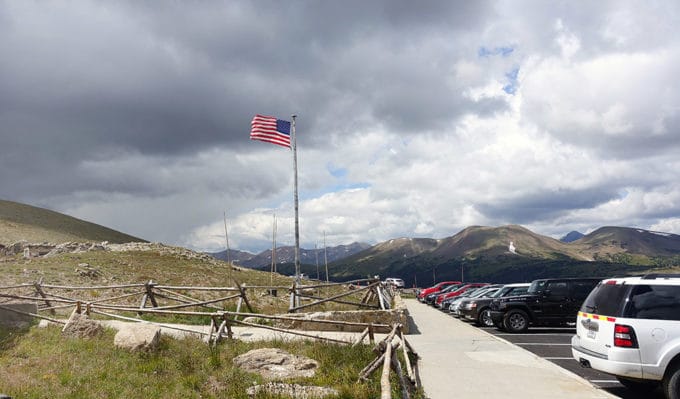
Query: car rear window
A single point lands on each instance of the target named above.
(661, 302)
(606, 300)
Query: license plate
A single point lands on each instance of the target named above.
(591, 334)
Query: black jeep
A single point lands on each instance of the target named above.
(548, 302)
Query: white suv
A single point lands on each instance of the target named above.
(397, 282)
(630, 327)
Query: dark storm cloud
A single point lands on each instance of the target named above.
(529, 208)
(84, 80)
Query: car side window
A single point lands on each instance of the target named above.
(557, 288)
(660, 302)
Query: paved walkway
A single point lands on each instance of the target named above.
(459, 360)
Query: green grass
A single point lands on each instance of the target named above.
(41, 363)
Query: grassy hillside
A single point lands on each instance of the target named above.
(24, 222)
(608, 242)
(476, 241)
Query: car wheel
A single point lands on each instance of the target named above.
(516, 321)
(671, 383)
(484, 318)
(637, 385)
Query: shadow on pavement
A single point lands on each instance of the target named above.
(412, 327)
(625, 393)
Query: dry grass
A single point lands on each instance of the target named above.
(138, 267)
(25, 222)
(41, 363)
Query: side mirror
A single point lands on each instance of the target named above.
(546, 293)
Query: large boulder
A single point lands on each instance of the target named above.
(138, 337)
(274, 363)
(293, 390)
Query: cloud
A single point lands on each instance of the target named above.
(413, 119)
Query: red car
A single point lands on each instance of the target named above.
(457, 292)
(436, 288)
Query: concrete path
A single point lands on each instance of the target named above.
(459, 360)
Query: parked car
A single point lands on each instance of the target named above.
(430, 298)
(483, 292)
(448, 301)
(548, 302)
(437, 287)
(453, 293)
(396, 282)
(477, 309)
(630, 328)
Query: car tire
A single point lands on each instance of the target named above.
(671, 382)
(637, 385)
(484, 318)
(516, 321)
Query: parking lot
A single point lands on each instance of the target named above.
(554, 344)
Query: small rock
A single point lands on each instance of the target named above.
(293, 390)
(274, 363)
(138, 337)
(81, 326)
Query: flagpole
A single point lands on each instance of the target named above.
(295, 200)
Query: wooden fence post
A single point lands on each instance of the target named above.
(291, 306)
(385, 388)
(40, 291)
(149, 293)
(242, 289)
(404, 347)
(143, 304)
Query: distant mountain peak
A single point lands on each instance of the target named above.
(572, 236)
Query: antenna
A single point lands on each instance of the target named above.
(226, 236)
(316, 252)
(273, 270)
(325, 255)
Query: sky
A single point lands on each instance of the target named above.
(415, 119)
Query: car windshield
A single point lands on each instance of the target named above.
(479, 292)
(450, 288)
(501, 292)
(488, 293)
(536, 287)
(470, 292)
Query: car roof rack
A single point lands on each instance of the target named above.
(654, 276)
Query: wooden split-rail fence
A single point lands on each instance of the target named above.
(167, 300)
(158, 300)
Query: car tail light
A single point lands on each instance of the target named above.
(624, 336)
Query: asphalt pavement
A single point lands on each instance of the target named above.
(554, 345)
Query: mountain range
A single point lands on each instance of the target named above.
(498, 254)
(494, 254)
(286, 254)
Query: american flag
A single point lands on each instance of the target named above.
(271, 130)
